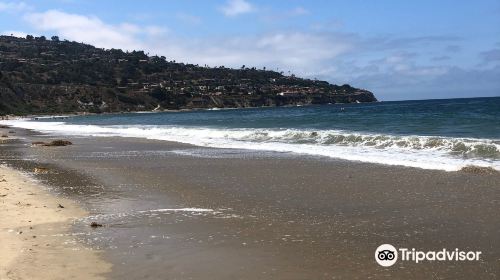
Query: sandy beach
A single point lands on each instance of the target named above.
(35, 234)
(265, 215)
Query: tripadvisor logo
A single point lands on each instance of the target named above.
(387, 255)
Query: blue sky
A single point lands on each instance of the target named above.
(397, 49)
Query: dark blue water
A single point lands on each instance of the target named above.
(473, 117)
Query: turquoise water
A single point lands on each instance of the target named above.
(437, 134)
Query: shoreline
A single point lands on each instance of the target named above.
(36, 233)
(428, 157)
(84, 113)
(274, 217)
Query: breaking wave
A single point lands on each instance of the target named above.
(429, 152)
(466, 147)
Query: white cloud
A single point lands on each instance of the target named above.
(92, 30)
(15, 33)
(14, 6)
(236, 7)
(86, 29)
(153, 30)
(298, 52)
(129, 28)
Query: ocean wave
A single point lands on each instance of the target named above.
(467, 147)
(429, 152)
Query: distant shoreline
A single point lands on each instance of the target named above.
(83, 113)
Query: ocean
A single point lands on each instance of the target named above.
(445, 134)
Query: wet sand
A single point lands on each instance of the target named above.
(266, 215)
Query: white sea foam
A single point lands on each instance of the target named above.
(185, 212)
(428, 152)
(178, 210)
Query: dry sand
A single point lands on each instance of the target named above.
(35, 240)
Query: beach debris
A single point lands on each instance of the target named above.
(4, 126)
(60, 206)
(59, 143)
(478, 170)
(3, 195)
(4, 136)
(12, 132)
(41, 170)
(95, 225)
(55, 143)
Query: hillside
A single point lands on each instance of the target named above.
(39, 75)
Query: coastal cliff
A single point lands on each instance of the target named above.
(38, 75)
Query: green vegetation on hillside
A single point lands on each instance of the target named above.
(38, 75)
